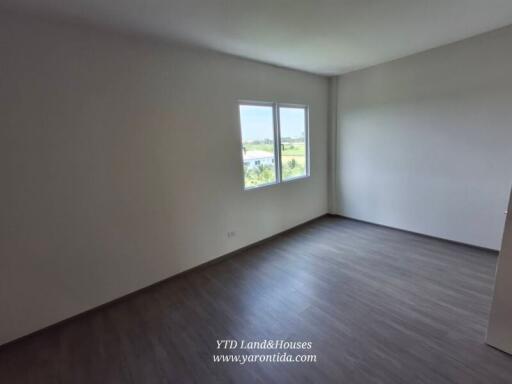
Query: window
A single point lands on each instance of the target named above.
(293, 126)
(258, 144)
(274, 143)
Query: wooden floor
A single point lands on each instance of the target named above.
(378, 306)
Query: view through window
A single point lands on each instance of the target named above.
(263, 143)
(292, 125)
(258, 145)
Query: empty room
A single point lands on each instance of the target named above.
(273, 191)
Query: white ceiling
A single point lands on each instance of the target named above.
(320, 36)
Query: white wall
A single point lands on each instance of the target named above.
(120, 165)
(425, 142)
(499, 333)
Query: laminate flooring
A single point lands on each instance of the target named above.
(377, 305)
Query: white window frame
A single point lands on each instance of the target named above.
(277, 141)
(306, 138)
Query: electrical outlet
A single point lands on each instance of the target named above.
(231, 234)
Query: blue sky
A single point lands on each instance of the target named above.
(257, 122)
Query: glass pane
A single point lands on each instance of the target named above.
(257, 124)
(292, 122)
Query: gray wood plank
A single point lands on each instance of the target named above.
(379, 306)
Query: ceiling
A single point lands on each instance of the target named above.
(320, 36)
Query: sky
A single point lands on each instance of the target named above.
(257, 122)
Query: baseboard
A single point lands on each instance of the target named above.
(175, 276)
(495, 251)
(222, 258)
(498, 349)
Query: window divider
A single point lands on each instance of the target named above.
(277, 147)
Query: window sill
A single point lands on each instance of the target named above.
(265, 186)
(295, 179)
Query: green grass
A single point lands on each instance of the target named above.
(297, 149)
(264, 174)
(293, 166)
(293, 160)
(294, 149)
(259, 147)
